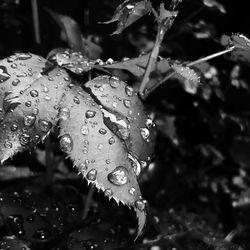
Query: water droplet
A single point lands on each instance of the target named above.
(66, 79)
(132, 191)
(129, 90)
(143, 164)
(110, 61)
(34, 93)
(84, 130)
(15, 82)
(119, 176)
(24, 139)
(76, 100)
(82, 167)
(114, 81)
(29, 120)
(140, 204)
(135, 164)
(91, 175)
(4, 75)
(13, 65)
(44, 125)
(28, 103)
(64, 114)
(7, 144)
(42, 234)
(66, 143)
(102, 131)
(108, 192)
(144, 133)
(47, 98)
(90, 114)
(127, 103)
(13, 127)
(100, 146)
(111, 140)
(149, 123)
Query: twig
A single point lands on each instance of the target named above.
(36, 21)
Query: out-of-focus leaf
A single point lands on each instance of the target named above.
(213, 4)
(11, 172)
(129, 12)
(241, 44)
(13, 243)
(74, 61)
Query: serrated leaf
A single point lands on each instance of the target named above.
(71, 60)
(129, 12)
(99, 155)
(36, 113)
(241, 44)
(213, 4)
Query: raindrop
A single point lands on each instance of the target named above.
(149, 123)
(135, 164)
(108, 192)
(127, 103)
(28, 103)
(91, 175)
(64, 114)
(44, 125)
(90, 114)
(13, 127)
(84, 130)
(144, 133)
(34, 93)
(42, 234)
(129, 90)
(76, 100)
(7, 144)
(110, 61)
(13, 65)
(140, 204)
(119, 176)
(24, 139)
(4, 76)
(66, 143)
(29, 120)
(111, 140)
(114, 81)
(132, 191)
(102, 131)
(15, 82)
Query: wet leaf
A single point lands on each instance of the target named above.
(241, 44)
(74, 61)
(213, 4)
(129, 12)
(97, 152)
(32, 119)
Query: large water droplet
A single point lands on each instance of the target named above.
(144, 133)
(66, 143)
(84, 130)
(44, 125)
(119, 176)
(135, 164)
(102, 131)
(4, 75)
(15, 82)
(29, 120)
(34, 93)
(90, 114)
(64, 114)
(91, 175)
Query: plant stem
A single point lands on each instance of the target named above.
(88, 201)
(49, 160)
(171, 72)
(36, 21)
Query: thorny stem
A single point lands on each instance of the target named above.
(88, 201)
(171, 72)
(36, 21)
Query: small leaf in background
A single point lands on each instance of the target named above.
(13, 243)
(213, 4)
(129, 12)
(188, 77)
(241, 44)
(74, 61)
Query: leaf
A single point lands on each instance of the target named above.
(241, 43)
(72, 60)
(34, 114)
(129, 12)
(13, 243)
(99, 155)
(11, 172)
(213, 4)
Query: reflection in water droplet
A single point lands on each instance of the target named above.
(129, 90)
(28, 103)
(135, 164)
(102, 131)
(24, 139)
(108, 192)
(140, 204)
(42, 234)
(66, 143)
(132, 191)
(144, 133)
(34, 93)
(84, 130)
(44, 125)
(119, 176)
(64, 114)
(29, 120)
(90, 114)
(91, 175)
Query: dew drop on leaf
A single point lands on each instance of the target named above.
(84, 130)
(64, 114)
(24, 139)
(13, 127)
(66, 143)
(114, 82)
(149, 123)
(140, 204)
(102, 131)
(119, 176)
(111, 140)
(7, 144)
(108, 192)
(91, 175)
(144, 133)
(15, 82)
(34, 93)
(82, 167)
(135, 164)
(132, 191)
(29, 120)
(90, 114)
(127, 103)
(129, 90)
(44, 125)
